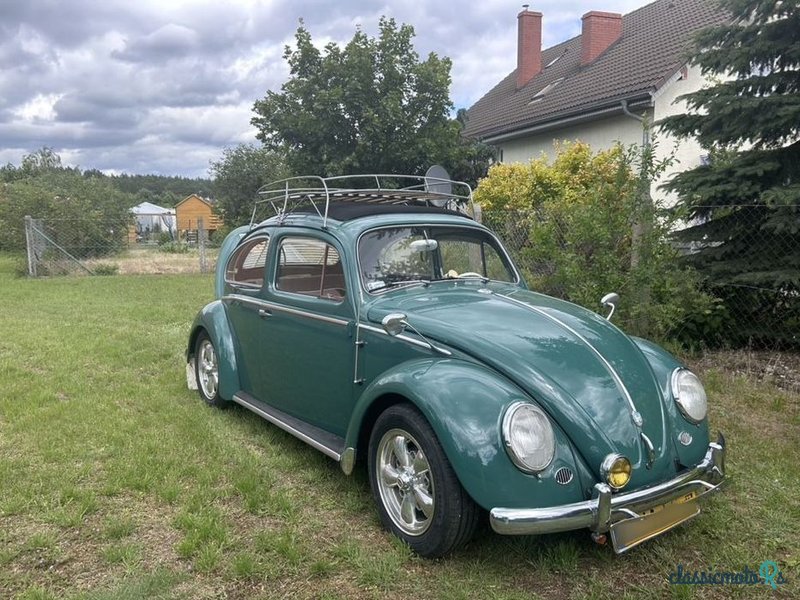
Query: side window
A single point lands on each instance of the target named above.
(246, 264)
(310, 267)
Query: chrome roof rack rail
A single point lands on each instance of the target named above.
(287, 195)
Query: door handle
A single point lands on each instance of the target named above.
(264, 313)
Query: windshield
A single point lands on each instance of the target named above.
(403, 255)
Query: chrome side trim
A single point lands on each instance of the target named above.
(606, 507)
(635, 414)
(287, 428)
(282, 308)
(405, 338)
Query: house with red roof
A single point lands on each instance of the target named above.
(610, 84)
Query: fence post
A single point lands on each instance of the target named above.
(477, 212)
(29, 246)
(201, 244)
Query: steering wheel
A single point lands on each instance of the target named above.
(470, 274)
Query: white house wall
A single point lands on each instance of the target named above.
(600, 135)
(687, 152)
(604, 133)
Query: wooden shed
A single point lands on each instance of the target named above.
(192, 208)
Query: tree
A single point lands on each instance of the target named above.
(369, 107)
(86, 215)
(45, 160)
(568, 224)
(471, 159)
(238, 175)
(745, 204)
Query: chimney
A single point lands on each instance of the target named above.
(600, 30)
(529, 45)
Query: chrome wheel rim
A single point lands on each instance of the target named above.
(208, 369)
(405, 482)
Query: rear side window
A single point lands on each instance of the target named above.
(246, 264)
(310, 267)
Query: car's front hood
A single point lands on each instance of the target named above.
(588, 375)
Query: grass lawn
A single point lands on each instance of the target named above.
(117, 482)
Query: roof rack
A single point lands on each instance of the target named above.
(287, 195)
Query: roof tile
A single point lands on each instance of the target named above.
(653, 46)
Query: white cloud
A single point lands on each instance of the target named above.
(163, 85)
(38, 108)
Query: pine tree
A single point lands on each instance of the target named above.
(745, 203)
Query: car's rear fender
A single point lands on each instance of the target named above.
(465, 403)
(213, 320)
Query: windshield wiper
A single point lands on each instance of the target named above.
(393, 284)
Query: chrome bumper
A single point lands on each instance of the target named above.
(606, 508)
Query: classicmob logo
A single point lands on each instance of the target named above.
(768, 573)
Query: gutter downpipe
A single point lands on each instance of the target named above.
(642, 218)
(645, 129)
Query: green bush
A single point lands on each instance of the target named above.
(86, 216)
(570, 226)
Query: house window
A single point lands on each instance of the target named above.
(555, 60)
(541, 93)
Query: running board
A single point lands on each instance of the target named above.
(324, 441)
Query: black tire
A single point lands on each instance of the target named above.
(206, 371)
(402, 488)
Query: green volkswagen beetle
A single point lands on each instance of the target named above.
(377, 321)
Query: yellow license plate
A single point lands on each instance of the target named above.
(632, 532)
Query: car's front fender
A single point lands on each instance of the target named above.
(464, 403)
(663, 364)
(213, 319)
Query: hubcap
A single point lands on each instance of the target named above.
(404, 482)
(207, 370)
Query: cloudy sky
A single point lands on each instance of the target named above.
(161, 86)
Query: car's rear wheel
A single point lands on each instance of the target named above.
(206, 370)
(418, 495)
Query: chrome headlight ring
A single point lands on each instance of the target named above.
(689, 395)
(528, 437)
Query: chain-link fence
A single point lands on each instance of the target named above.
(101, 247)
(732, 281)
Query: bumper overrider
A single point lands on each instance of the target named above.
(631, 517)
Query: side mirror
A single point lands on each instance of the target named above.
(394, 323)
(610, 300)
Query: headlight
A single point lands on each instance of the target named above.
(690, 395)
(529, 437)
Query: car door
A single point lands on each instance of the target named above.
(244, 288)
(307, 339)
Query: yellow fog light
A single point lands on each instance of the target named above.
(617, 470)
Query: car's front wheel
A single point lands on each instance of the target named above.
(206, 370)
(418, 495)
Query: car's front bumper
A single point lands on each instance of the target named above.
(606, 508)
